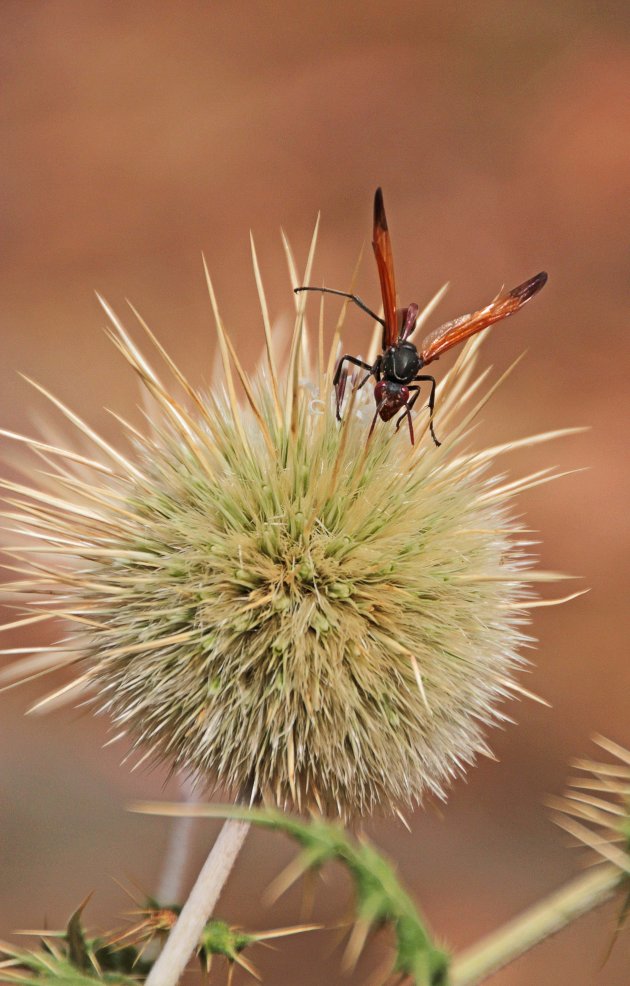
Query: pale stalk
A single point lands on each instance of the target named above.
(186, 933)
(170, 887)
(535, 924)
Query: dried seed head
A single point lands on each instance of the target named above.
(260, 598)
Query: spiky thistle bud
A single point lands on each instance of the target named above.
(596, 806)
(261, 596)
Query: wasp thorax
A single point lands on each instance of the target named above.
(401, 362)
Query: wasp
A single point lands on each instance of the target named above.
(396, 369)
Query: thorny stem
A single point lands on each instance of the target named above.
(535, 924)
(185, 935)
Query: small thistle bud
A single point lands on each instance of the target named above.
(262, 596)
(218, 937)
(596, 806)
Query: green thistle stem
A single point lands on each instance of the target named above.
(380, 898)
(185, 937)
(535, 924)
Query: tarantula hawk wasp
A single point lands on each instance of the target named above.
(397, 368)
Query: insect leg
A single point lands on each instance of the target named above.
(431, 404)
(409, 422)
(408, 405)
(407, 413)
(375, 419)
(352, 297)
(375, 371)
(339, 389)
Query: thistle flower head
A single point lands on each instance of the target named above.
(258, 595)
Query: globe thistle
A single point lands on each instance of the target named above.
(259, 596)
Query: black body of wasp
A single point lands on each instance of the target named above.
(397, 368)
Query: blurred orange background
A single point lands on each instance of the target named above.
(137, 135)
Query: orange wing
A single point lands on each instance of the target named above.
(452, 333)
(385, 263)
